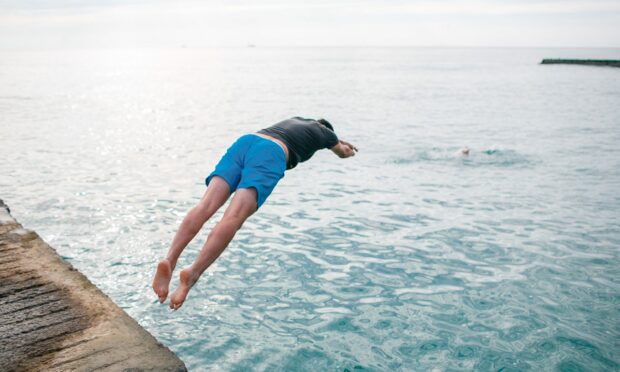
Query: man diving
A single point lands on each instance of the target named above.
(250, 168)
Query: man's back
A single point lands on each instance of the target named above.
(302, 137)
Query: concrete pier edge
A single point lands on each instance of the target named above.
(52, 318)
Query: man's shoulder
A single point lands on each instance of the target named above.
(296, 123)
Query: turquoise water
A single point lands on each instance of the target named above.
(406, 257)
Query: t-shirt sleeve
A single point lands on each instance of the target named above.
(329, 138)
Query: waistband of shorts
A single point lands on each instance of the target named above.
(268, 140)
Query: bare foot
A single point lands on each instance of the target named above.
(186, 280)
(162, 280)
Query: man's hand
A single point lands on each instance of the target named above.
(344, 149)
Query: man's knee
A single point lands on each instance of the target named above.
(194, 220)
(207, 207)
(226, 228)
(244, 204)
(203, 210)
(234, 221)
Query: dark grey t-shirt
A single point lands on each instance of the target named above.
(302, 137)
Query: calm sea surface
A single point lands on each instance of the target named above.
(405, 257)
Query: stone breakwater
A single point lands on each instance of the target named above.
(590, 62)
(53, 318)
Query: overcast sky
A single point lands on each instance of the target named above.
(200, 23)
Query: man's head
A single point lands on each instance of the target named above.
(326, 124)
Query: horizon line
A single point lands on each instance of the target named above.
(253, 46)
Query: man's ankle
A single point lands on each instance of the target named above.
(171, 262)
(194, 273)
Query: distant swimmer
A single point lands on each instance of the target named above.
(250, 168)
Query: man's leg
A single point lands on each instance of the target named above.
(241, 207)
(216, 195)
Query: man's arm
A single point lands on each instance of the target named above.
(344, 149)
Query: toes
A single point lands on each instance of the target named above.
(161, 293)
(173, 302)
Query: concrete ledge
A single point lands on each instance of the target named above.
(53, 318)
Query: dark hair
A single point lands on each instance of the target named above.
(326, 123)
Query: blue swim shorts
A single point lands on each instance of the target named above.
(252, 161)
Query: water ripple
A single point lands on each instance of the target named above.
(408, 257)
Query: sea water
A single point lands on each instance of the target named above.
(409, 256)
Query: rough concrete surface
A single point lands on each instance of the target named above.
(52, 318)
